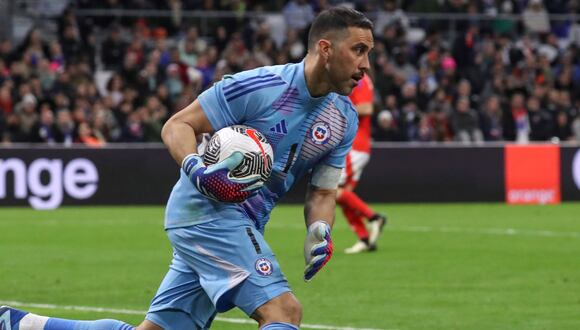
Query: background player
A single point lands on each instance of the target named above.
(220, 258)
(354, 208)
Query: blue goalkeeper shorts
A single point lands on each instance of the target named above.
(216, 266)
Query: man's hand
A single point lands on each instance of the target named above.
(317, 248)
(215, 181)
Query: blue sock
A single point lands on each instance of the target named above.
(279, 326)
(62, 324)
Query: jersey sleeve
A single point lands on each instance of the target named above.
(216, 108)
(237, 98)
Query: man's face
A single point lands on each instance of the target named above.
(348, 60)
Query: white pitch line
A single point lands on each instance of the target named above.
(460, 230)
(487, 231)
(136, 312)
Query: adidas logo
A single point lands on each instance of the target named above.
(280, 127)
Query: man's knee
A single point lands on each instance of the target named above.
(293, 309)
(284, 308)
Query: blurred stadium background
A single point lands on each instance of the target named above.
(476, 111)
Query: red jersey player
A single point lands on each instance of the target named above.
(355, 209)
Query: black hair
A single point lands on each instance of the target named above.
(336, 19)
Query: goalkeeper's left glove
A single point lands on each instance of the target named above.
(317, 248)
(215, 181)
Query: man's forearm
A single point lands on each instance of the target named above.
(179, 138)
(320, 205)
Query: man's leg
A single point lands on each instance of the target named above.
(348, 199)
(376, 224)
(281, 313)
(14, 319)
(180, 302)
(237, 268)
(355, 220)
(356, 223)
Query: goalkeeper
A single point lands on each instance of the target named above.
(220, 259)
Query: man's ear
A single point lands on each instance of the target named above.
(324, 48)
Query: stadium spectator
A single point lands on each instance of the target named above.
(154, 114)
(65, 128)
(465, 122)
(104, 120)
(391, 16)
(563, 127)
(86, 136)
(191, 46)
(535, 17)
(492, 119)
(27, 115)
(6, 101)
(7, 53)
(134, 128)
(541, 127)
(298, 15)
(45, 130)
(518, 125)
(113, 49)
(72, 48)
(385, 126)
(576, 128)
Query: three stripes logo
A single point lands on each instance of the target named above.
(280, 127)
(244, 86)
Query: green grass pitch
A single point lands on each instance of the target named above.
(444, 266)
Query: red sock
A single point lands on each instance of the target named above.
(355, 220)
(349, 199)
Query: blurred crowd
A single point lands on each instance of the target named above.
(117, 78)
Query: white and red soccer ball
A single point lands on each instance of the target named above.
(258, 153)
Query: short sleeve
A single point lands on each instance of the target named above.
(216, 107)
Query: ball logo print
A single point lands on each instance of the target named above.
(258, 153)
(264, 267)
(253, 134)
(320, 133)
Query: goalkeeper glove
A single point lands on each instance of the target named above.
(215, 181)
(317, 248)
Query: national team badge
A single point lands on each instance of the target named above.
(264, 267)
(320, 133)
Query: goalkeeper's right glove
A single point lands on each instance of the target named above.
(318, 248)
(215, 181)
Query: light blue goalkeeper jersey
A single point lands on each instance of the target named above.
(304, 131)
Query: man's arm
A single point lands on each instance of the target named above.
(180, 130)
(319, 216)
(320, 205)
(364, 109)
(179, 135)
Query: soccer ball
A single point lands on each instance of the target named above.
(258, 153)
